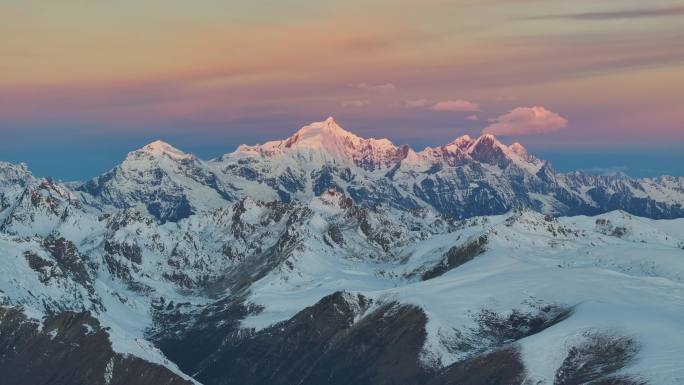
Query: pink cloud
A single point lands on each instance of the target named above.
(456, 105)
(416, 103)
(526, 121)
(355, 103)
(376, 87)
(472, 117)
(506, 98)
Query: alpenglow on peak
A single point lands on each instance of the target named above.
(161, 148)
(318, 133)
(326, 141)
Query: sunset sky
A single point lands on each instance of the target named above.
(595, 85)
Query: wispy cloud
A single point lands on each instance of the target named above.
(16, 54)
(615, 15)
(355, 103)
(526, 121)
(506, 98)
(376, 87)
(472, 117)
(416, 103)
(608, 171)
(456, 105)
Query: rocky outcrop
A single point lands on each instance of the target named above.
(598, 359)
(337, 341)
(346, 339)
(69, 348)
(456, 256)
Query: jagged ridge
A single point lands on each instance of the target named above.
(464, 178)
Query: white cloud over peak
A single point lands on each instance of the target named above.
(526, 121)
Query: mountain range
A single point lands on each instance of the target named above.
(464, 178)
(326, 258)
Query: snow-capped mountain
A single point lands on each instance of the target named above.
(326, 142)
(328, 258)
(467, 177)
(13, 181)
(169, 183)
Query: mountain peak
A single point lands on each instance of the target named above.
(319, 131)
(489, 137)
(325, 141)
(486, 143)
(488, 149)
(13, 174)
(519, 149)
(462, 142)
(160, 148)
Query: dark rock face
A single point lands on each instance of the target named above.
(344, 339)
(323, 180)
(321, 344)
(190, 338)
(336, 235)
(605, 226)
(123, 218)
(71, 348)
(456, 256)
(130, 252)
(65, 261)
(500, 367)
(170, 208)
(487, 151)
(496, 330)
(597, 359)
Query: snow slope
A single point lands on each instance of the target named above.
(630, 284)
